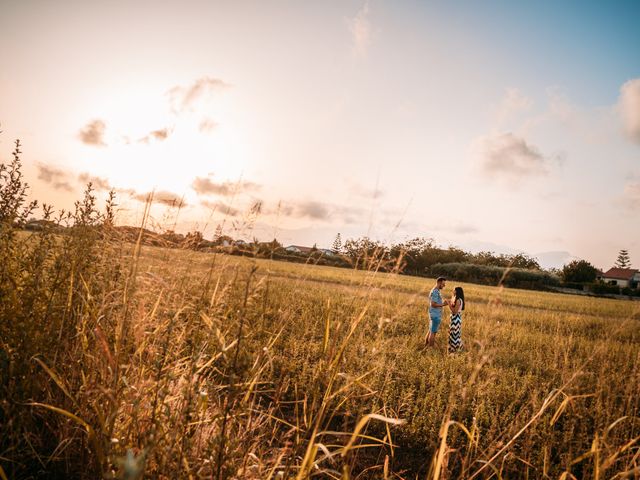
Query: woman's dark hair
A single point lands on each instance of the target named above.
(459, 294)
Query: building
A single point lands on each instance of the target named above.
(309, 250)
(622, 277)
(299, 249)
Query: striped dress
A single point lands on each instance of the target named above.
(455, 331)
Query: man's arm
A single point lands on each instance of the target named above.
(435, 304)
(438, 305)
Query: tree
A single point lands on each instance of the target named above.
(218, 234)
(193, 240)
(623, 260)
(579, 271)
(337, 244)
(269, 248)
(522, 260)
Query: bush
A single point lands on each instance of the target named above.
(489, 275)
(50, 281)
(604, 289)
(631, 292)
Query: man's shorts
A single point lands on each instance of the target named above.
(434, 323)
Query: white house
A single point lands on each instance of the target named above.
(298, 249)
(308, 250)
(622, 277)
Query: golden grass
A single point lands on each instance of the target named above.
(178, 364)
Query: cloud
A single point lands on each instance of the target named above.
(509, 157)
(98, 183)
(207, 125)
(513, 102)
(362, 191)
(49, 174)
(312, 209)
(349, 214)
(444, 226)
(93, 133)
(282, 210)
(57, 178)
(206, 186)
(629, 104)
(318, 211)
(631, 195)
(361, 30)
(561, 108)
(463, 229)
(221, 207)
(161, 134)
(163, 197)
(158, 135)
(307, 208)
(184, 98)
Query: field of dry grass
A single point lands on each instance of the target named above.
(165, 363)
(124, 361)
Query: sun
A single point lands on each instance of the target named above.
(150, 147)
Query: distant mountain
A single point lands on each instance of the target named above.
(475, 246)
(554, 259)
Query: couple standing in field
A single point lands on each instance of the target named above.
(456, 305)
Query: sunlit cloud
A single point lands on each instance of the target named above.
(206, 186)
(365, 192)
(312, 209)
(462, 229)
(361, 30)
(560, 106)
(349, 214)
(631, 195)
(157, 135)
(315, 210)
(221, 207)
(513, 103)
(93, 133)
(630, 108)
(445, 226)
(57, 178)
(98, 183)
(163, 197)
(207, 125)
(508, 157)
(184, 98)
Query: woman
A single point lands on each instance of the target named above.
(456, 305)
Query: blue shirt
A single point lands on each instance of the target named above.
(435, 296)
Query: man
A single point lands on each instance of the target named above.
(435, 310)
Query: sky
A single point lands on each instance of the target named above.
(504, 126)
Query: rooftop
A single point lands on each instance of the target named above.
(620, 273)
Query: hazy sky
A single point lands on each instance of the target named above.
(496, 125)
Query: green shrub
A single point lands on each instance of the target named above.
(573, 285)
(490, 275)
(604, 288)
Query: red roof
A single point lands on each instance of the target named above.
(620, 273)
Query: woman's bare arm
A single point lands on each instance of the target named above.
(455, 308)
